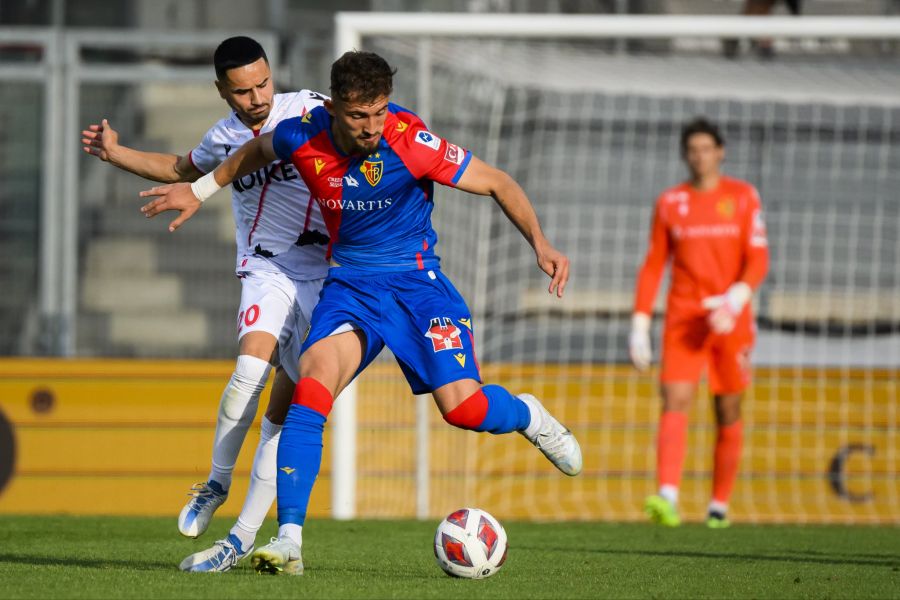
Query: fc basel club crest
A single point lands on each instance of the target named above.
(725, 207)
(444, 334)
(372, 169)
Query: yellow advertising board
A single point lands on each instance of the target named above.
(114, 436)
(130, 437)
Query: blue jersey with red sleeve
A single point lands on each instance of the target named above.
(378, 207)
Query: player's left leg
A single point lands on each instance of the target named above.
(493, 409)
(729, 376)
(429, 329)
(729, 442)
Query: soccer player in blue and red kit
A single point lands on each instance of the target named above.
(370, 165)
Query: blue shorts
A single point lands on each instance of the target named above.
(419, 315)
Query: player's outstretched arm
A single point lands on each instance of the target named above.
(186, 198)
(102, 141)
(481, 178)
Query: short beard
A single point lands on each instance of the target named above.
(359, 148)
(249, 119)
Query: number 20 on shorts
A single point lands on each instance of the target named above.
(248, 317)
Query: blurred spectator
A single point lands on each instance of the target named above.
(757, 8)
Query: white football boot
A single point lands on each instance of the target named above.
(223, 555)
(280, 555)
(198, 512)
(551, 437)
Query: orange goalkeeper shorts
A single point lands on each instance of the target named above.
(689, 346)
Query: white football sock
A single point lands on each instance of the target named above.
(237, 410)
(293, 532)
(670, 493)
(719, 507)
(261, 493)
(536, 419)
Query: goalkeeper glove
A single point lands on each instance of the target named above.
(639, 341)
(725, 308)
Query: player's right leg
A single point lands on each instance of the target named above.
(327, 367)
(726, 457)
(266, 303)
(685, 351)
(671, 447)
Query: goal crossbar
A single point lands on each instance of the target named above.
(352, 26)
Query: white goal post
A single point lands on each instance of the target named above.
(421, 32)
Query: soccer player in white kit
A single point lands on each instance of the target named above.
(281, 241)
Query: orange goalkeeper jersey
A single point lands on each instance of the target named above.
(714, 238)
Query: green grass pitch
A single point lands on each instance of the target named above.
(81, 557)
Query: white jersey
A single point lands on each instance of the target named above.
(279, 227)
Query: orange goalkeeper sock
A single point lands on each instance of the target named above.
(728, 456)
(670, 448)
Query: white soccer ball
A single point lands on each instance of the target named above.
(470, 543)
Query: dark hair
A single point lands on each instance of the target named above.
(361, 76)
(236, 52)
(700, 125)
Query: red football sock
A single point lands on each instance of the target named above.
(670, 448)
(728, 456)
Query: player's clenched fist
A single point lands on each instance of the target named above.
(639, 342)
(175, 196)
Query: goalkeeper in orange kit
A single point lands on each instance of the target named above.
(711, 228)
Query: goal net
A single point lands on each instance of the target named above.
(590, 129)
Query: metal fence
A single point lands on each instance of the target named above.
(70, 229)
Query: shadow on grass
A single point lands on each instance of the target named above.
(398, 573)
(89, 563)
(810, 557)
(855, 555)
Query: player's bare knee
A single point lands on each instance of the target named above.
(333, 361)
(728, 408)
(451, 395)
(678, 397)
(324, 373)
(261, 345)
